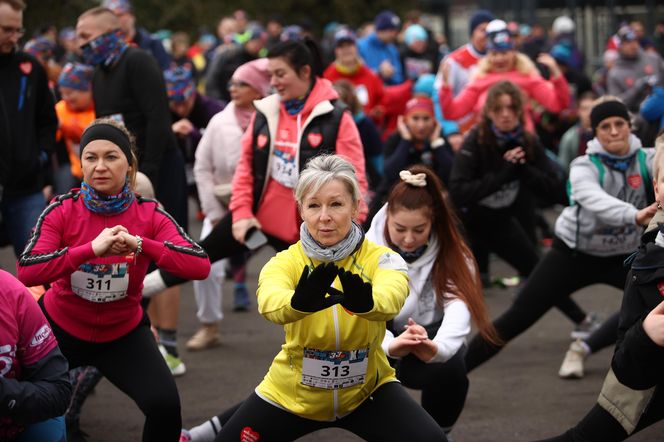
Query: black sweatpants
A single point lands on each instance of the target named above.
(444, 386)
(599, 426)
(389, 414)
(134, 364)
(500, 232)
(220, 244)
(560, 273)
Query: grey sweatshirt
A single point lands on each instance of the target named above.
(628, 78)
(604, 216)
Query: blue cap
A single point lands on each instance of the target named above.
(415, 33)
(344, 35)
(386, 20)
(76, 76)
(499, 38)
(291, 33)
(424, 85)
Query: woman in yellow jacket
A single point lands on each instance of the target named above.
(332, 291)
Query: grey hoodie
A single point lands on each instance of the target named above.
(604, 216)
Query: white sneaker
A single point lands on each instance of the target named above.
(572, 366)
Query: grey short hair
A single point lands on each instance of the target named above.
(323, 169)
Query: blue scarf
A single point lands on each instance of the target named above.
(104, 50)
(621, 164)
(505, 138)
(107, 205)
(358, 117)
(295, 106)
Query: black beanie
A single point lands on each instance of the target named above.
(606, 109)
(479, 17)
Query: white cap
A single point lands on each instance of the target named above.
(496, 26)
(563, 25)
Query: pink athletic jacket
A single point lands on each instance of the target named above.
(278, 212)
(98, 299)
(552, 95)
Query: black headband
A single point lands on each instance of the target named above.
(105, 131)
(607, 109)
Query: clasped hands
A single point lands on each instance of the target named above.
(414, 340)
(114, 241)
(314, 291)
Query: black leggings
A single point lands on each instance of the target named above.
(560, 273)
(134, 365)
(444, 385)
(220, 244)
(500, 232)
(599, 426)
(389, 414)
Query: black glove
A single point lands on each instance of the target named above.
(310, 293)
(358, 295)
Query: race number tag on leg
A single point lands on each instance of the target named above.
(101, 282)
(334, 369)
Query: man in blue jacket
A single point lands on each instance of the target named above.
(379, 51)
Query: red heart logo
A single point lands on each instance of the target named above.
(314, 139)
(629, 82)
(635, 181)
(649, 70)
(248, 435)
(26, 67)
(261, 140)
(660, 287)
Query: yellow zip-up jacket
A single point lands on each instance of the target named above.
(332, 329)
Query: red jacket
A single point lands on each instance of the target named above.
(60, 253)
(278, 212)
(552, 95)
(373, 92)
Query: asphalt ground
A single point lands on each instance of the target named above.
(517, 396)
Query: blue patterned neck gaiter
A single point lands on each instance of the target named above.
(107, 204)
(104, 50)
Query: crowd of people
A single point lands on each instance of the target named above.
(381, 167)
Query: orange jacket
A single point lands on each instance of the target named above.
(70, 128)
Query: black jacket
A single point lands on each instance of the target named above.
(134, 89)
(637, 361)
(27, 124)
(480, 171)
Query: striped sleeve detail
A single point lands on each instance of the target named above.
(194, 249)
(27, 258)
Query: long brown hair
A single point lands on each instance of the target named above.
(455, 272)
(486, 136)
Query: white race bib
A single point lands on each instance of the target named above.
(333, 370)
(101, 282)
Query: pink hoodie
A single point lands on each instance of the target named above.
(61, 249)
(552, 95)
(278, 212)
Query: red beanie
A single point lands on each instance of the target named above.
(423, 104)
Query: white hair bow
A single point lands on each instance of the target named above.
(417, 180)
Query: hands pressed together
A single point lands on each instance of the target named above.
(414, 340)
(114, 241)
(311, 293)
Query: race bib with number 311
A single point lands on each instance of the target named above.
(100, 282)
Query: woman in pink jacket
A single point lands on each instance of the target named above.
(93, 246)
(302, 120)
(504, 62)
